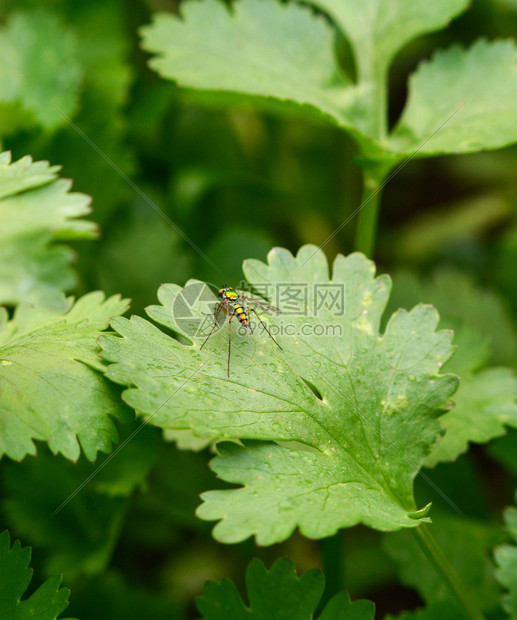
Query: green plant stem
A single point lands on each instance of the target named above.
(445, 570)
(333, 565)
(366, 231)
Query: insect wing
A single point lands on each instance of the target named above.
(260, 303)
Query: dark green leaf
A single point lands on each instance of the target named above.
(506, 560)
(46, 603)
(279, 594)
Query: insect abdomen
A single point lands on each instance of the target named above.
(241, 315)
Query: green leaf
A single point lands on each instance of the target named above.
(378, 30)
(261, 48)
(466, 544)
(483, 329)
(186, 440)
(37, 208)
(486, 399)
(51, 389)
(46, 603)
(41, 84)
(485, 403)
(355, 410)
(506, 561)
(80, 538)
(283, 51)
(279, 594)
(478, 86)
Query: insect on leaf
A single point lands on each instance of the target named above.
(343, 451)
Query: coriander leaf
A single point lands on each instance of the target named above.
(50, 387)
(483, 329)
(36, 209)
(486, 399)
(479, 84)
(261, 48)
(34, 86)
(186, 440)
(484, 404)
(278, 594)
(506, 560)
(46, 603)
(379, 29)
(355, 410)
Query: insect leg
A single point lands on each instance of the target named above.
(216, 314)
(229, 341)
(264, 326)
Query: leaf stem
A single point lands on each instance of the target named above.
(445, 570)
(366, 231)
(373, 78)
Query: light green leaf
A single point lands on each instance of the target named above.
(485, 403)
(478, 86)
(50, 387)
(261, 48)
(37, 208)
(186, 440)
(36, 85)
(279, 594)
(466, 544)
(46, 603)
(378, 29)
(506, 560)
(357, 409)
